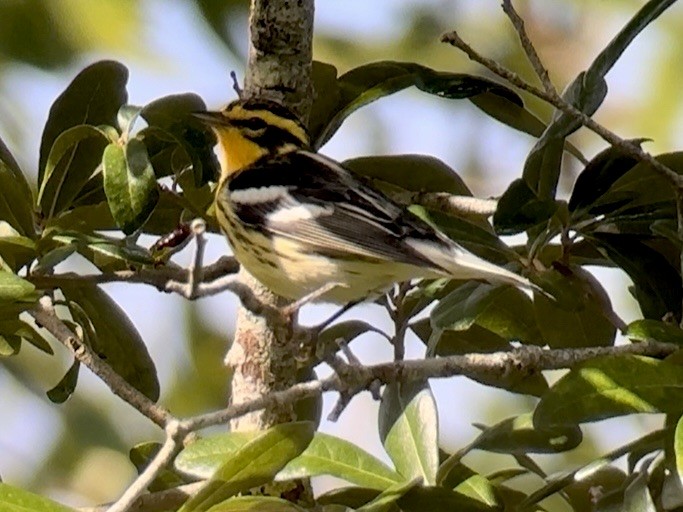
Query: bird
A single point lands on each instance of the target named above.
(305, 226)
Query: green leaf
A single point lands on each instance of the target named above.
(329, 455)
(408, 429)
(256, 504)
(365, 84)
(113, 336)
(651, 272)
(62, 180)
(106, 253)
(608, 479)
(519, 435)
(420, 499)
(583, 325)
(612, 386)
(254, 464)
(13, 499)
(16, 200)
(181, 137)
(9, 345)
(637, 496)
(93, 97)
(419, 173)
(15, 250)
(13, 288)
(352, 497)
(130, 184)
(519, 209)
(503, 310)
(647, 330)
(480, 490)
(126, 118)
(599, 175)
(66, 386)
(205, 455)
(141, 455)
(387, 498)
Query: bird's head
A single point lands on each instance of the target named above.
(248, 129)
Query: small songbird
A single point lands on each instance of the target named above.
(300, 222)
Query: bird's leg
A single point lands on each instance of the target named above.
(292, 308)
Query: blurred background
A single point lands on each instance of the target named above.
(77, 452)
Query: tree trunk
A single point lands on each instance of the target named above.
(279, 67)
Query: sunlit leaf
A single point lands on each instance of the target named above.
(256, 504)
(329, 455)
(14, 288)
(204, 456)
(612, 386)
(13, 499)
(408, 429)
(255, 463)
(647, 329)
(130, 184)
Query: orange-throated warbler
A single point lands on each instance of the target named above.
(300, 222)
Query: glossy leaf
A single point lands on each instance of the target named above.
(205, 455)
(647, 330)
(93, 97)
(256, 504)
(13, 288)
(62, 181)
(130, 184)
(480, 490)
(15, 250)
(16, 200)
(66, 386)
(599, 175)
(651, 272)
(587, 324)
(13, 499)
(519, 435)
(254, 464)
(519, 209)
(612, 386)
(637, 496)
(113, 336)
(503, 310)
(420, 173)
(329, 455)
(387, 498)
(408, 429)
(365, 84)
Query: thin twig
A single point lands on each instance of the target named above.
(171, 447)
(44, 314)
(628, 147)
(529, 48)
(194, 273)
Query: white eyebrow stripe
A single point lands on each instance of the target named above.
(299, 212)
(259, 195)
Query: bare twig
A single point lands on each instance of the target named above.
(628, 147)
(449, 204)
(168, 451)
(194, 273)
(45, 316)
(529, 48)
(161, 501)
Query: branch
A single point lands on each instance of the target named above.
(523, 361)
(449, 204)
(44, 314)
(171, 447)
(628, 147)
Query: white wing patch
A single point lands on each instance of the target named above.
(299, 212)
(259, 195)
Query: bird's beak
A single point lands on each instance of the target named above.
(211, 118)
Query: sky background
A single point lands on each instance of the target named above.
(173, 52)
